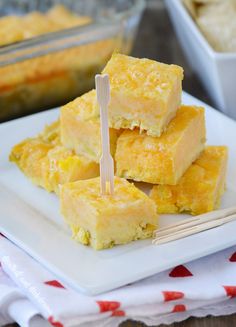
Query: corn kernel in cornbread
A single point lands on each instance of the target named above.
(144, 93)
(80, 127)
(106, 220)
(164, 159)
(201, 187)
(47, 163)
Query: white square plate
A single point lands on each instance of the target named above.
(30, 217)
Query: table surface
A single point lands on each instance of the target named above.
(156, 40)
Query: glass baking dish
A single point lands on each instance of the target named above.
(51, 69)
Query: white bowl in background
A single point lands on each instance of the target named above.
(216, 70)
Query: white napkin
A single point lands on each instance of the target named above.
(29, 293)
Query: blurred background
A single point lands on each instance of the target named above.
(156, 39)
(51, 50)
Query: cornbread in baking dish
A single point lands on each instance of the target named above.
(80, 127)
(15, 28)
(164, 159)
(48, 164)
(144, 93)
(103, 221)
(201, 187)
(52, 79)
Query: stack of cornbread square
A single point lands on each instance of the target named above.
(48, 163)
(154, 139)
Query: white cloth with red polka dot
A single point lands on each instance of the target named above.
(34, 297)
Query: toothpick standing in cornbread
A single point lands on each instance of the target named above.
(104, 221)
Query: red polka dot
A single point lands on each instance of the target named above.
(54, 323)
(230, 290)
(54, 283)
(105, 306)
(179, 308)
(233, 257)
(180, 271)
(171, 296)
(118, 313)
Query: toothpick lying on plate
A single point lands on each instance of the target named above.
(194, 225)
(106, 161)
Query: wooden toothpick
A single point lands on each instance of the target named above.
(106, 160)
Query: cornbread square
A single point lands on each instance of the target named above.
(144, 93)
(201, 187)
(48, 164)
(164, 159)
(106, 220)
(80, 127)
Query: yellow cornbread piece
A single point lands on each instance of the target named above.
(144, 93)
(164, 159)
(106, 220)
(201, 187)
(47, 163)
(80, 127)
